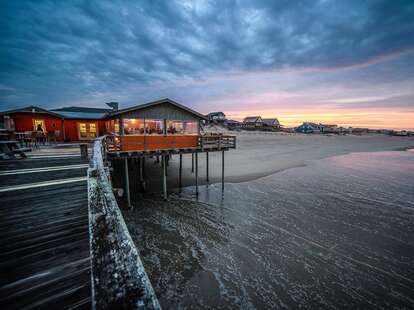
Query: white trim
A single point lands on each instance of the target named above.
(43, 169)
(41, 184)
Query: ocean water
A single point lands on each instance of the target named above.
(337, 233)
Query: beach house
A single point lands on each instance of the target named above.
(271, 123)
(252, 122)
(216, 117)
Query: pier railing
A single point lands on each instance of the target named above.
(159, 142)
(118, 276)
(216, 142)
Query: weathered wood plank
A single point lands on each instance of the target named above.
(44, 241)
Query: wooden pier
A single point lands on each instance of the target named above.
(44, 236)
(125, 147)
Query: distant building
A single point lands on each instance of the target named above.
(272, 123)
(252, 122)
(218, 117)
(327, 128)
(232, 124)
(308, 127)
(358, 131)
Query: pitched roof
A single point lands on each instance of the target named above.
(83, 110)
(81, 115)
(153, 103)
(252, 119)
(270, 121)
(30, 109)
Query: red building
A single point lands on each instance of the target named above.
(157, 124)
(66, 124)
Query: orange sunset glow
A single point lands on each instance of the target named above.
(366, 119)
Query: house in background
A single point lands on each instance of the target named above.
(252, 122)
(216, 117)
(271, 123)
(308, 127)
(232, 124)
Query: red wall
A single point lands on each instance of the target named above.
(24, 122)
(71, 128)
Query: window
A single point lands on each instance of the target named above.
(83, 133)
(92, 130)
(87, 131)
(182, 127)
(143, 126)
(39, 125)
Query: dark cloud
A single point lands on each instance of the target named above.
(61, 51)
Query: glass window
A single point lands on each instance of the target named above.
(83, 134)
(141, 126)
(92, 130)
(182, 127)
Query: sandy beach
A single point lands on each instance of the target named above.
(261, 154)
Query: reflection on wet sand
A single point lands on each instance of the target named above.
(334, 234)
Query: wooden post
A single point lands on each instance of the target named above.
(207, 178)
(164, 177)
(141, 172)
(222, 171)
(192, 162)
(180, 171)
(196, 172)
(128, 194)
(84, 150)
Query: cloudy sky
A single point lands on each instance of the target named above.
(348, 62)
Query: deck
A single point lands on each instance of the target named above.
(44, 237)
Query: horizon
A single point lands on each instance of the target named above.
(348, 63)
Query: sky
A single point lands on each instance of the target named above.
(345, 62)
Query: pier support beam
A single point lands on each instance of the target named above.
(141, 172)
(192, 162)
(207, 177)
(128, 194)
(222, 170)
(196, 172)
(180, 172)
(164, 177)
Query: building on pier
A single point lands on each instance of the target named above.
(161, 129)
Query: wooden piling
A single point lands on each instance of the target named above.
(180, 173)
(222, 170)
(196, 172)
(141, 173)
(128, 194)
(164, 176)
(192, 162)
(207, 176)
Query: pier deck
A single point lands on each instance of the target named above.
(44, 236)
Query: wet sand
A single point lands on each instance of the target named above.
(335, 234)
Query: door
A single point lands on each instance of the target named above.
(39, 123)
(87, 131)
